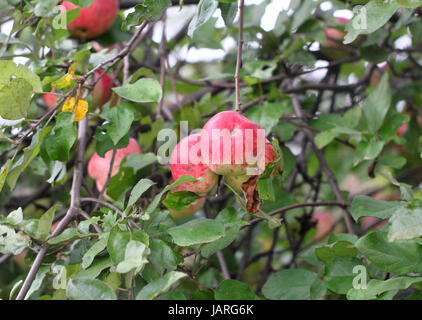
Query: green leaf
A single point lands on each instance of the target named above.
(376, 105)
(89, 289)
(95, 269)
(138, 190)
(398, 257)
(339, 273)
(95, 249)
(146, 139)
(104, 142)
(234, 290)
(45, 8)
(150, 10)
(267, 115)
(29, 153)
(162, 256)
(292, 284)
(143, 90)
(231, 232)
(9, 70)
(303, 13)
(405, 224)
(204, 12)
(160, 286)
(45, 222)
(395, 162)
(154, 204)
(364, 206)
(68, 235)
(337, 249)
(180, 200)
(62, 138)
(323, 138)
(412, 136)
(12, 241)
(120, 119)
(370, 18)
(41, 274)
(15, 217)
(260, 70)
(196, 232)
(15, 99)
(232, 221)
(135, 257)
(376, 287)
(117, 242)
(369, 150)
(4, 172)
(127, 175)
(228, 12)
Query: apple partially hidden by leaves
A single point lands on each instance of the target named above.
(102, 90)
(236, 182)
(332, 47)
(101, 93)
(183, 204)
(186, 159)
(50, 100)
(99, 167)
(94, 20)
(324, 223)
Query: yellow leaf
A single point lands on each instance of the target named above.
(72, 69)
(79, 110)
(66, 80)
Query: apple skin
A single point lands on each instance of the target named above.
(98, 167)
(102, 90)
(237, 125)
(94, 20)
(188, 212)
(236, 181)
(184, 161)
(325, 222)
(403, 128)
(50, 100)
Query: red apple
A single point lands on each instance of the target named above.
(403, 128)
(230, 143)
(50, 100)
(186, 159)
(98, 167)
(325, 222)
(333, 46)
(102, 90)
(236, 181)
(94, 20)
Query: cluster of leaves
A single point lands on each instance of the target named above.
(129, 247)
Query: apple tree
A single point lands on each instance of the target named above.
(101, 102)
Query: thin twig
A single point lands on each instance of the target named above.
(239, 55)
(70, 214)
(324, 166)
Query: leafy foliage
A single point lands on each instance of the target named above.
(339, 100)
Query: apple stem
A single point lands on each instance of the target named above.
(239, 56)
